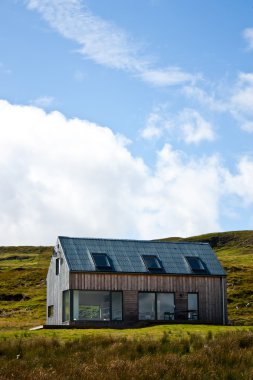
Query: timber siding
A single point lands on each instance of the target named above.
(58, 283)
(212, 302)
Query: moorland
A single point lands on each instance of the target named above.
(158, 352)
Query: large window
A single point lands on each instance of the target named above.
(193, 307)
(116, 309)
(165, 306)
(156, 306)
(97, 305)
(147, 306)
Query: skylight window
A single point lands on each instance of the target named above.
(152, 263)
(196, 264)
(101, 261)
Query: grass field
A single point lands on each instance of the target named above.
(192, 353)
(185, 352)
(23, 273)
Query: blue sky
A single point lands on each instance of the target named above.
(128, 119)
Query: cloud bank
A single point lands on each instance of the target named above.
(71, 177)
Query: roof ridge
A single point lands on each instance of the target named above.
(134, 240)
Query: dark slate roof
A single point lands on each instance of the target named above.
(125, 255)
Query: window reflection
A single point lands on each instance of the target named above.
(193, 306)
(97, 305)
(156, 306)
(146, 306)
(116, 306)
(165, 306)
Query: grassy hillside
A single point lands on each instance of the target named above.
(23, 273)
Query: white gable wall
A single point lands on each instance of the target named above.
(56, 284)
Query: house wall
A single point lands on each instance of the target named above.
(211, 290)
(56, 284)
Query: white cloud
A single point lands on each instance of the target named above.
(44, 101)
(247, 125)
(188, 126)
(237, 101)
(99, 40)
(63, 176)
(72, 177)
(194, 127)
(243, 93)
(242, 100)
(248, 35)
(154, 126)
(103, 42)
(186, 190)
(168, 77)
(207, 99)
(241, 184)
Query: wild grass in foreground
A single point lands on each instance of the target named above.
(225, 356)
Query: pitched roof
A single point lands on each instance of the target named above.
(125, 256)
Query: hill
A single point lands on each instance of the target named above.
(23, 273)
(23, 278)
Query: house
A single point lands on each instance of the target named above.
(121, 283)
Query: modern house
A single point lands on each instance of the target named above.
(121, 283)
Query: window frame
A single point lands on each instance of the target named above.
(120, 292)
(202, 265)
(50, 311)
(171, 315)
(158, 262)
(192, 318)
(110, 305)
(107, 267)
(156, 312)
(57, 266)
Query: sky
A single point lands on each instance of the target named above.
(125, 119)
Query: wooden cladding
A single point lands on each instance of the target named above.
(139, 282)
(209, 290)
(130, 305)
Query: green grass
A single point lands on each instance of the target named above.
(23, 273)
(155, 332)
(158, 352)
(191, 356)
